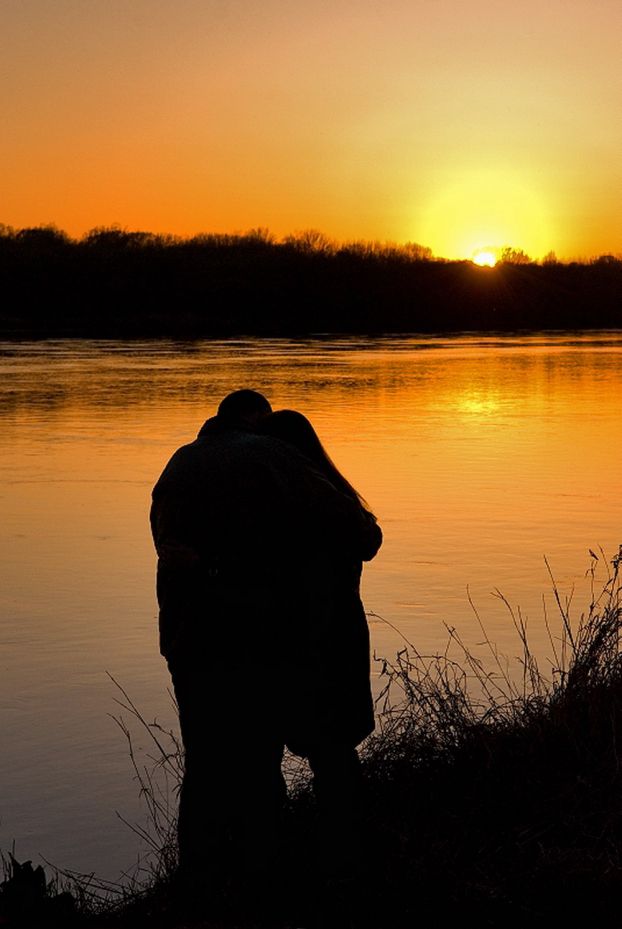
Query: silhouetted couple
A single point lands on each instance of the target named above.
(260, 544)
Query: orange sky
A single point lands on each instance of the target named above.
(457, 125)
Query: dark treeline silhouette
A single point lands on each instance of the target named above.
(115, 282)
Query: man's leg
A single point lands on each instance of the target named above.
(203, 817)
(233, 788)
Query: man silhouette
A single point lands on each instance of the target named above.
(232, 516)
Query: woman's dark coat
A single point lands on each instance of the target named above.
(330, 678)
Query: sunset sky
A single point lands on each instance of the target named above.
(455, 124)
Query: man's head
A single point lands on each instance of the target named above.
(246, 407)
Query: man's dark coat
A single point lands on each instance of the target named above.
(259, 560)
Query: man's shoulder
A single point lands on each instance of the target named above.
(211, 452)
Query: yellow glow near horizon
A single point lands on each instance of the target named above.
(485, 259)
(492, 206)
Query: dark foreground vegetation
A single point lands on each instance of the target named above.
(115, 283)
(489, 802)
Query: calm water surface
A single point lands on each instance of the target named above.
(481, 456)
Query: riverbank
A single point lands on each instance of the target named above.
(487, 799)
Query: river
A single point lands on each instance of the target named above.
(481, 456)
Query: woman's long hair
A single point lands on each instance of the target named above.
(295, 429)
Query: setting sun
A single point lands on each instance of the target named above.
(485, 258)
(484, 209)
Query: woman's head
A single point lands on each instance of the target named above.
(295, 429)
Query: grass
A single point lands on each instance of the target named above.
(504, 799)
(489, 795)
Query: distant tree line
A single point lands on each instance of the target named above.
(119, 283)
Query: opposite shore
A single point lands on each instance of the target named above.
(114, 284)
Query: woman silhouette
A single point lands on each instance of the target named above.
(329, 701)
